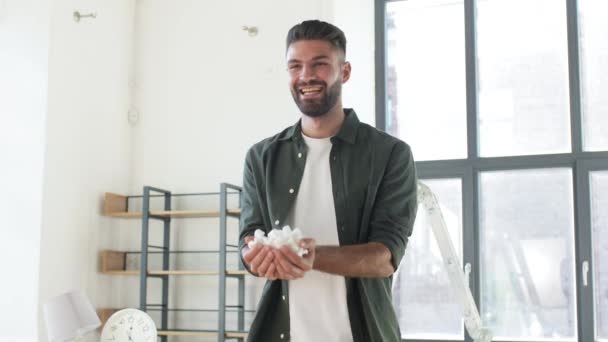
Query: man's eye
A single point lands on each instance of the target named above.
(293, 67)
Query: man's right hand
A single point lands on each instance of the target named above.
(259, 259)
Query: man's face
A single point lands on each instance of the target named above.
(316, 73)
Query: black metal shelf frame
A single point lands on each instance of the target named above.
(152, 192)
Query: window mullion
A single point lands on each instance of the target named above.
(470, 189)
(471, 234)
(583, 245)
(584, 252)
(470, 15)
(380, 61)
(574, 71)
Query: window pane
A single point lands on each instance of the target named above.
(523, 77)
(599, 226)
(422, 294)
(426, 99)
(594, 65)
(527, 254)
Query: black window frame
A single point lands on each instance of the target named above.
(469, 169)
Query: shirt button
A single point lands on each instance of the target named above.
(283, 297)
(299, 155)
(291, 191)
(334, 157)
(276, 222)
(282, 336)
(342, 228)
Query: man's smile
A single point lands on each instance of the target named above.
(310, 92)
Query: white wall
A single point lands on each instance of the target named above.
(202, 82)
(24, 43)
(23, 68)
(205, 90)
(88, 147)
(356, 19)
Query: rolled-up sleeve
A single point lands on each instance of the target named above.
(395, 206)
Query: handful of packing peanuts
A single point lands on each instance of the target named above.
(278, 238)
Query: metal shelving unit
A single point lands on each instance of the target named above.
(114, 262)
(224, 272)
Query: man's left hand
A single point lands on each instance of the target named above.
(291, 266)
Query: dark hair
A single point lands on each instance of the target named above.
(317, 30)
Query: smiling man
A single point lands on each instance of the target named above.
(349, 187)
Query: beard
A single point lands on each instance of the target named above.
(317, 107)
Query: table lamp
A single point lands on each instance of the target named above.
(69, 317)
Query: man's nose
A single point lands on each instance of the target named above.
(307, 73)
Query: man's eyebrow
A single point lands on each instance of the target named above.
(314, 59)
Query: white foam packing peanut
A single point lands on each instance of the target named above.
(278, 238)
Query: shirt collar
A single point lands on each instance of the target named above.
(348, 131)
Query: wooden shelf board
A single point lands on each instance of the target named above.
(172, 213)
(175, 273)
(112, 261)
(228, 334)
(124, 214)
(183, 272)
(114, 203)
(237, 272)
(104, 314)
(235, 334)
(133, 272)
(185, 333)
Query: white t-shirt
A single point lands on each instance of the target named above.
(317, 302)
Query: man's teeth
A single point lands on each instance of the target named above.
(310, 90)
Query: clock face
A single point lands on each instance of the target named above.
(129, 325)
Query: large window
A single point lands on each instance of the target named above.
(431, 81)
(523, 77)
(599, 224)
(594, 56)
(504, 105)
(421, 287)
(527, 253)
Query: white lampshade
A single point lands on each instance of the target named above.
(69, 315)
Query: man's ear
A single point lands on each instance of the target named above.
(346, 69)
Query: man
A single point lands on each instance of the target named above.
(350, 188)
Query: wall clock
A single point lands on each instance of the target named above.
(129, 325)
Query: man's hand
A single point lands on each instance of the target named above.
(260, 260)
(289, 265)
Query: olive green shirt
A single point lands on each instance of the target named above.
(374, 187)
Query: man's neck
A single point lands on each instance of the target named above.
(324, 126)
